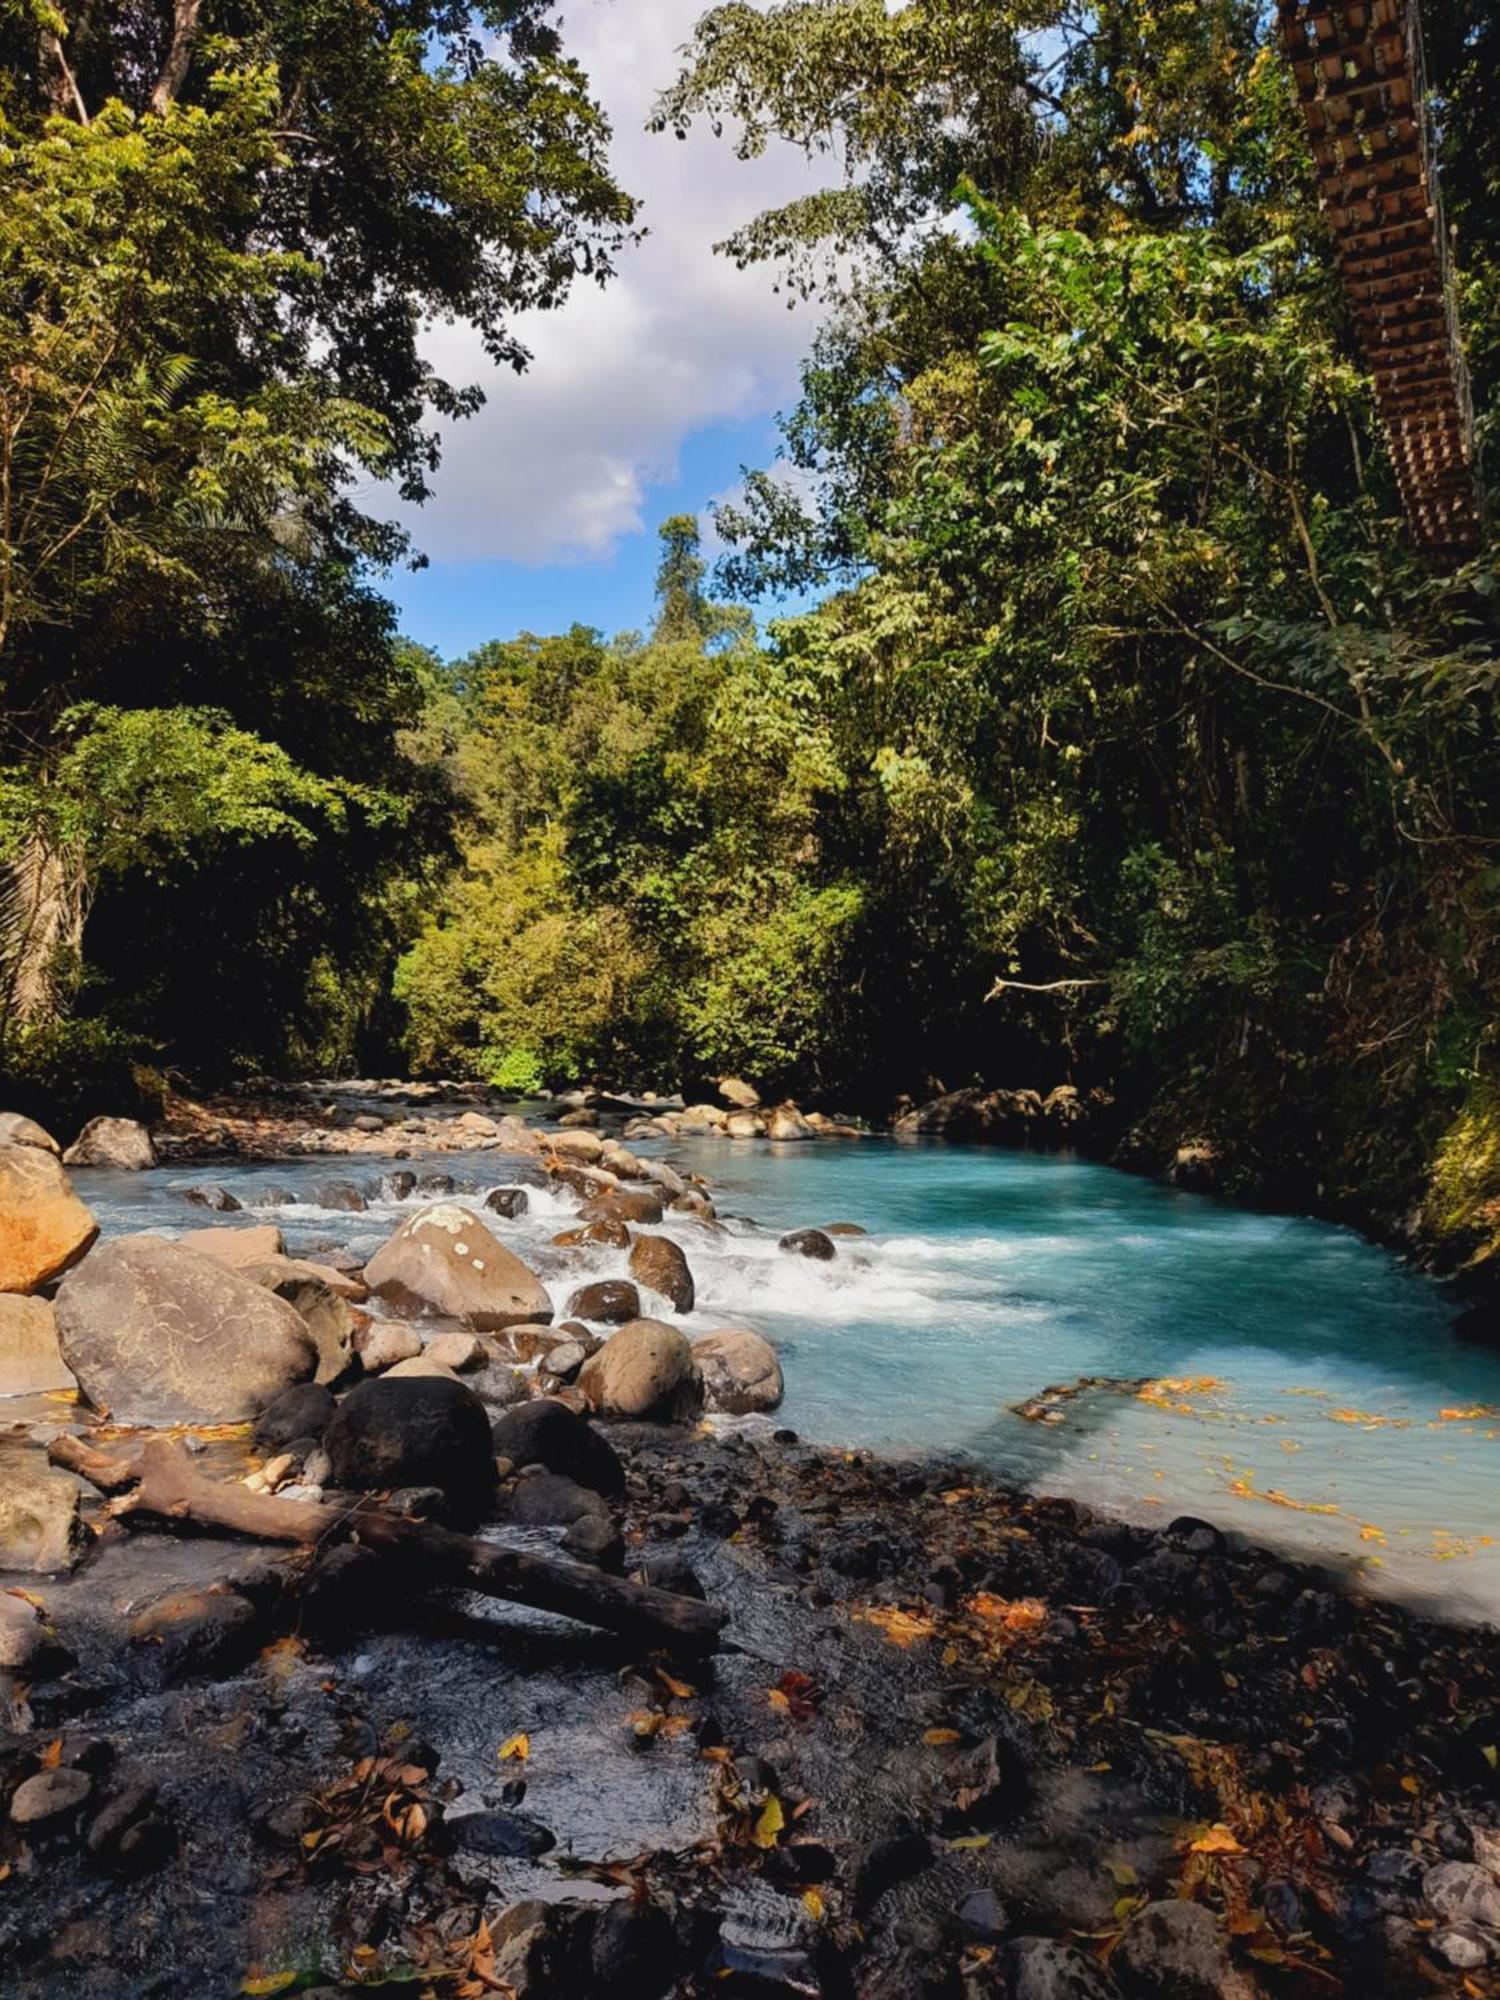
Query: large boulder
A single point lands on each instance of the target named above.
(623, 1204)
(31, 1361)
(658, 1263)
(787, 1123)
(740, 1371)
(646, 1370)
(327, 1314)
(814, 1243)
(122, 1143)
(445, 1261)
(547, 1433)
(40, 1526)
(739, 1095)
(16, 1130)
(420, 1431)
(160, 1334)
(44, 1227)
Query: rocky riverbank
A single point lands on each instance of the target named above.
(951, 1741)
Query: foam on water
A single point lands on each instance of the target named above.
(1302, 1385)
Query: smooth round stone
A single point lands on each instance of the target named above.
(50, 1796)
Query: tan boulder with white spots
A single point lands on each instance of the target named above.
(445, 1261)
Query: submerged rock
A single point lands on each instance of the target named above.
(445, 1261)
(121, 1143)
(44, 1227)
(425, 1432)
(158, 1334)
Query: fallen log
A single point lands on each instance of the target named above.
(160, 1482)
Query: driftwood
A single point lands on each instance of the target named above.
(160, 1482)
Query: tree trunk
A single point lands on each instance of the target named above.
(43, 901)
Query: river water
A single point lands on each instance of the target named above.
(1276, 1375)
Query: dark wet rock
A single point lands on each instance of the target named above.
(41, 1529)
(541, 1948)
(304, 1411)
(892, 1859)
(323, 1305)
(740, 1370)
(1038, 1968)
(44, 1227)
(124, 1810)
(674, 1573)
(814, 1243)
(50, 1798)
(646, 1370)
(343, 1195)
(662, 1267)
(547, 1433)
(211, 1195)
(420, 1503)
(508, 1201)
(981, 1917)
(1396, 1868)
(1197, 1538)
(594, 1538)
(159, 1334)
(1177, 1949)
(634, 1953)
(611, 1301)
(396, 1186)
(550, 1500)
(121, 1143)
(758, 1972)
(424, 1432)
(196, 1632)
(438, 1184)
(510, 1835)
(444, 1260)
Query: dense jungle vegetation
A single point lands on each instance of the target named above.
(1122, 681)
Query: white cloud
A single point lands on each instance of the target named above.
(556, 465)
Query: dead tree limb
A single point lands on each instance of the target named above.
(161, 1483)
(174, 69)
(1049, 986)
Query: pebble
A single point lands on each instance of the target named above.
(50, 1796)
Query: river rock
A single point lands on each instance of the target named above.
(159, 1334)
(49, 1797)
(121, 1143)
(380, 1345)
(508, 1201)
(740, 1371)
(326, 1313)
(547, 1433)
(596, 1539)
(609, 1234)
(787, 1123)
(445, 1261)
(693, 1201)
(646, 1370)
(1042, 1968)
(238, 1248)
(545, 1499)
(808, 1243)
(701, 1119)
(659, 1264)
(1463, 1892)
(28, 1644)
(563, 1362)
(610, 1300)
(41, 1529)
(431, 1432)
(341, 1195)
(745, 1125)
(209, 1194)
(623, 1204)
(18, 1131)
(573, 1145)
(44, 1227)
(661, 1175)
(420, 1367)
(1177, 1948)
(190, 1632)
(737, 1094)
(31, 1361)
(458, 1351)
(304, 1411)
(579, 1119)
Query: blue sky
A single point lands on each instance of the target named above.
(645, 397)
(453, 606)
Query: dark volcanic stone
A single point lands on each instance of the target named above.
(414, 1431)
(809, 1243)
(503, 1833)
(303, 1411)
(544, 1432)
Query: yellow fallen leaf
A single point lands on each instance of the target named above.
(679, 1688)
(937, 1738)
(1218, 1840)
(902, 1628)
(1411, 1784)
(269, 1982)
(967, 1842)
(778, 1701)
(515, 1748)
(771, 1822)
(812, 1902)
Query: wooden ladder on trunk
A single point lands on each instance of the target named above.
(1360, 77)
